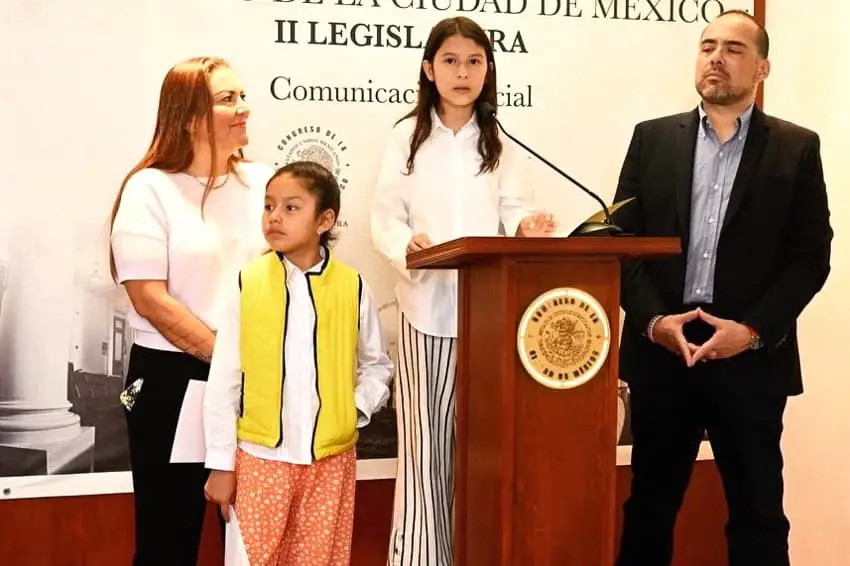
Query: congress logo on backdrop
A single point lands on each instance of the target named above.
(317, 144)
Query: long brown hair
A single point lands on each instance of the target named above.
(185, 101)
(489, 144)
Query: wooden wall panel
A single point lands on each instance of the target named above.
(98, 530)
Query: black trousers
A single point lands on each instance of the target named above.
(670, 415)
(169, 498)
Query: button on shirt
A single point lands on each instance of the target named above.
(445, 198)
(715, 167)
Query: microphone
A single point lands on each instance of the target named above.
(606, 228)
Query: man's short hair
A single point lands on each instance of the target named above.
(762, 39)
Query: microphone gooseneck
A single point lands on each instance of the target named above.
(606, 228)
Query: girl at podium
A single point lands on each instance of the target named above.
(446, 174)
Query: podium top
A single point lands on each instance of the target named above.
(462, 251)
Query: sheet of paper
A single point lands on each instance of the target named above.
(189, 445)
(234, 547)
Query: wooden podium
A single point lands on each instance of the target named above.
(535, 464)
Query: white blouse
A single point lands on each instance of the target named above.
(160, 234)
(444, 198)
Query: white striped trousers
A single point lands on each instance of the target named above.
(423, 516)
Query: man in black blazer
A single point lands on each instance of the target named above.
(710, 343)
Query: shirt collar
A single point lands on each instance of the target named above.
(438, 127)
(743, 121)
(292, 269)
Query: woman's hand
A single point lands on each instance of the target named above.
(418, 242)
(536, 225)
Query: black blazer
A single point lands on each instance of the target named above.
(773, 250)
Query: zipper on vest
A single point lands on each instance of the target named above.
(283, 363)
(242, 397)
(315, 362)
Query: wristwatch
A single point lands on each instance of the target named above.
(755, 342)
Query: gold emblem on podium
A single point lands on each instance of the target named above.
(563, 338)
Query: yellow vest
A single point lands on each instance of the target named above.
(335, 292)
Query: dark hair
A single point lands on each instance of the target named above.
(762, 39)
(489, 144)
(320, 183)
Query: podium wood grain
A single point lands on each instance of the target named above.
(535, 466)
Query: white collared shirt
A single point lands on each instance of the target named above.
(300, 400)
(444, 198)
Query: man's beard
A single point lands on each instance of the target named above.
(722, 95)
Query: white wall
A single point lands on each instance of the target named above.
(810, 85)
(91, 327)
(95, 300)
(75, 350)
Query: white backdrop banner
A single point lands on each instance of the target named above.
(326, 80)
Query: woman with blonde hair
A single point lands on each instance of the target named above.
(186, 218)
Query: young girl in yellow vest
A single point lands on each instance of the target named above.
(298, 367)
(446, 174)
